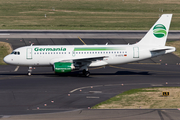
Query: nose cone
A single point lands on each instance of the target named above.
(7, 59)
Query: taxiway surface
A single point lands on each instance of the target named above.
(69, 96)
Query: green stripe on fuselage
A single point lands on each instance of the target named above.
(97, 48)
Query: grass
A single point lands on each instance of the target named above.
(86, 14)
(175, 44)
(5, 49)
(143, 98)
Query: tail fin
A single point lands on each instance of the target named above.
(157, 35)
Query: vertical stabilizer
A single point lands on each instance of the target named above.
(157, 35)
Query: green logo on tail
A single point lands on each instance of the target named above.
(159, 31)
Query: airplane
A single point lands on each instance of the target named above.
(67, 58)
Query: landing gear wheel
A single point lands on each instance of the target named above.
(29, 73)
(86, 73)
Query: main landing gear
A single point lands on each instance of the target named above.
(29, 71)
(86, 73)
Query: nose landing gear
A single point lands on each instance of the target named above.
(29, 71)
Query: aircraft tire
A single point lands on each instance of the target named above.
(87, 73)
(29, 74)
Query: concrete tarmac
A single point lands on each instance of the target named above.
(69, 96)
(111, 34)
(143, 114)
(45, 95)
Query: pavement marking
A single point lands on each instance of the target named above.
(82, 40)
(151, 84)
(95, 91)
(92, 97)
(142, 69)
(96, 68)
(80, 88)
(16, 69)
(156, 85)
(84, 88)
(146, 63)
(11, 77)
(4, 34)
(4, 71)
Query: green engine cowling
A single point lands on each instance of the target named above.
(63, 67)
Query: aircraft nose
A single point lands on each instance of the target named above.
(7, 59)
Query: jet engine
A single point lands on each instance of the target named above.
(63, 67)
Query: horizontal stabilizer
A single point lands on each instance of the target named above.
(162, 49)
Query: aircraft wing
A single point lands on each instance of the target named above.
(80, 59)
(90, 58)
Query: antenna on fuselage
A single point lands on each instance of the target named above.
(32, 44)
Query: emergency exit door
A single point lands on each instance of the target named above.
(29, 53)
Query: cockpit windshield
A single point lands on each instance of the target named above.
(16, 53)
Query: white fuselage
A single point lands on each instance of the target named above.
(47, 55)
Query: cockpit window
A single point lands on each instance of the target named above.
(12, 52)
(16, 53)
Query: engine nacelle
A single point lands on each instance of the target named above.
(63, 67)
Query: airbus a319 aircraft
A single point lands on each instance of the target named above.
(66, 58)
